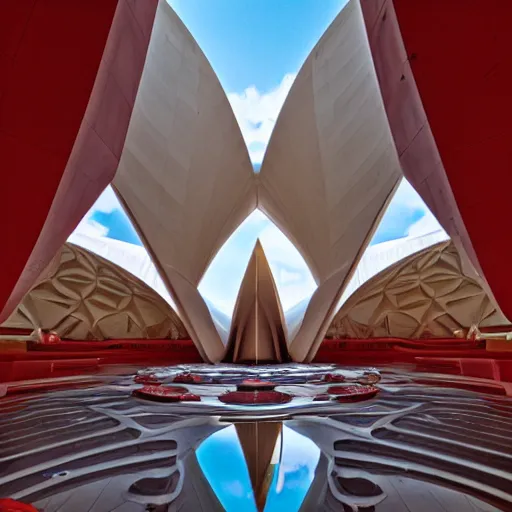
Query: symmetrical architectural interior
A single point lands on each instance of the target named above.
(128, 453)
(108, 400)
(144, 111)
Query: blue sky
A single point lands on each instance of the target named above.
(256, 47)
(256, 42)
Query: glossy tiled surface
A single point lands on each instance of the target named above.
(424, 442)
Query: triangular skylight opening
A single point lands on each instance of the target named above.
(257, 96)
(107, 231)
(406, 227)
(221, 282)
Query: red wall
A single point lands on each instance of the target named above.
(69, 73)
(447, 88)
(463, 70)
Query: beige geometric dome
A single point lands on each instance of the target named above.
(423, 296)
(86, 297)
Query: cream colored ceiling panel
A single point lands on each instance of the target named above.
(185, 176)
(185, 173)
(331, 165)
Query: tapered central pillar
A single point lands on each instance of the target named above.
(257, 332)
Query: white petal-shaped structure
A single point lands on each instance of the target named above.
(186, 180)
(185, 177)
(331, 166)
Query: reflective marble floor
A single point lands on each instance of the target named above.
(287, 438)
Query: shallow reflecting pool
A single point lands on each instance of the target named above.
(288, 438)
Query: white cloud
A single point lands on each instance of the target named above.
(407, 196)
(221, 282)
(235, 488)
(89, 227)
(106, 202)
(256, 113)
(427, 224)
(298, 452)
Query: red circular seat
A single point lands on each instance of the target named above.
(334, 377)
(8, 505)
(353, 393)
(166, 394)
(147, 379)
(188, 378)
(255, 397)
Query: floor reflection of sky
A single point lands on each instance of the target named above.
(425, 442)
(222, 461)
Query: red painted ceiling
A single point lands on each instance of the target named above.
(460, 59)
(69, 74)
(50, 53)
(462, 64)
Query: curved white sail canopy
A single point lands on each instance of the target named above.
(186, 181)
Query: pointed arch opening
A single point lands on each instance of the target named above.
(107, 231)
(100, 285)
(256, 105)
(221, 282)
(407, 226)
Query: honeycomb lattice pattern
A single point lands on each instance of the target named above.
(89, 298)
(423, 296)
